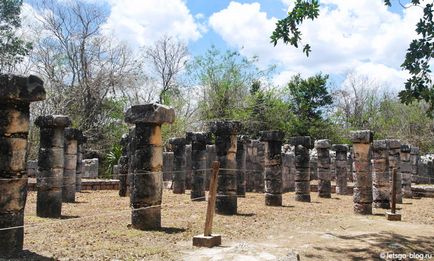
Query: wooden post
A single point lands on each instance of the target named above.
(207, 239)
(392, 215)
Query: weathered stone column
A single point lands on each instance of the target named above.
(302, 164)
(273, 167)
(341, 168)
(188, 167)
(380, 174)
(324, 174)
(147, 190)
(51, 164)
(167, 165)
(313, 164)
(16, 94)
(259, 165)
(414, 159)
(123, 165)
(198, 141)
(178, 180)
(70, 170)
(131, 154)
(362, 194)
(250, 165)
(405, 170)
(210, 158)
(79, 174)
(394, 158)
(241, 166)
(226, 148)
(350, 163)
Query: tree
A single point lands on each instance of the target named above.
(308, 98)
(167, 58)
(417, 60)
(13, 49)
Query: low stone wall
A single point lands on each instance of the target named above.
(87, 184)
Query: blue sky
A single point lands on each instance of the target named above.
(361, 37)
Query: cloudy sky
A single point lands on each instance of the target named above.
(364, 37)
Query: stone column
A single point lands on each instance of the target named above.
(362, 194)
(241, 166)
(250, 166)
(79, 174)
(394, 158)
(167, 165)
(51, 164)
(70, 170)
(178, 180)
(188, 167)
(198, 141)
(226, 148)
(380, 174)
(414, 159)
(131, 154)
(123, 165)
(302, 165)
(313, 164)
(16, 94)
(341, 168)
(210, 158)
(350, 163)
(273, 167)
(288, 169)
(147, 190)
(324, 174)
(405, 170)
(32, 168)
(259, 165)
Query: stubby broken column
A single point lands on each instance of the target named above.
(302, 165)
(394, 159)
(79, 173)
(414, 159)
(178, 179)
(341, 168)
(226, 148)
(70, 170)
(273, 167)
(362, 194)
(380, 174)
(51, 165)
(241, 166)
(323, 168)
(198, 141)
(123, 165)
(147, 190)
(405, 170)
(16, 94)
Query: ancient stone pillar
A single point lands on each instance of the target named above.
(362, 194)
(51, 164)
(123, 165)
(302, 164)
(273, 167)
(414, 159)
(405, 170)
(188, 167)
(32, 168)
(198, 141)
(210, 158)
(341, 168)
(16, 94)
(130, 154)
(167, 165)
(241, 166)
(285, 171)
(394, 158)
(250, 165)
(226, 148)
(79, 174)
(380, 174)
(259, 165)
(178, 180)
(350, 168)
(313, 164)
(70, 170)
(147, 190)
(323, 168)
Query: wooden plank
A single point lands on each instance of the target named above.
(211, 199)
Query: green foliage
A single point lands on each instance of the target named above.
(112, 158)
(287, 28)
(12, 48)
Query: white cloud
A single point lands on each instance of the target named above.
(347, 36)
(142, 22)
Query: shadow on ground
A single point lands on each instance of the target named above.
(28, 255)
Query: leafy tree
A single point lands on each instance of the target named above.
(13, 49)
(417, 60)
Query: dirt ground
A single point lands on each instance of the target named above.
(96, 228)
